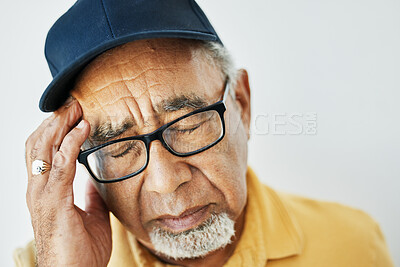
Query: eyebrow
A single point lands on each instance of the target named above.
(176, 103)
(107, 131)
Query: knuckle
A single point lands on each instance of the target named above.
(33, 136)
(29, 141)
(49, 119)
(60, 162)
(47, 124)
(52, 127)
(32, 145)
(33, 153)
(63, 170)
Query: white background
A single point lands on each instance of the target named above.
(339, 59)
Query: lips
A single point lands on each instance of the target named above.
(188, 219)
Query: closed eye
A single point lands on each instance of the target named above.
(190, 130)
(129, 147)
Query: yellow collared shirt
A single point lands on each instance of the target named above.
(281, 230)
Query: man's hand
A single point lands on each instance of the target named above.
(65, 235)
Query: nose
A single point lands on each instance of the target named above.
(165, 172)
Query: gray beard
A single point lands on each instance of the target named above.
(213, 234)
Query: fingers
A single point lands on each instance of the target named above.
(61, 229)
(58, 187)
(44, 144)
(63, 122)
(40, 145)
(94, 203)
(46, 140)
(63, 168)
(31, 146)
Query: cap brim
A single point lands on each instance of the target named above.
(58, 90)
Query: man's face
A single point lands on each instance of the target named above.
(133, 84)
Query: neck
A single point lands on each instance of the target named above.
(215, 258)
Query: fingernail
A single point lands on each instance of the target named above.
(80, 125)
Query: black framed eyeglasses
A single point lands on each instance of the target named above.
(188, 135)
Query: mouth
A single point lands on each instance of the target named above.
(188, 219)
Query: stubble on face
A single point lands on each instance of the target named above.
(215, 233)
(129, 82)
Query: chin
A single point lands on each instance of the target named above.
(214, 233)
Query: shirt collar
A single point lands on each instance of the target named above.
(270, 232)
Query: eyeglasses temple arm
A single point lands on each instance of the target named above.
(226, 93)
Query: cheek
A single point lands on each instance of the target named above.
(234, 151)
(235, 191)
(122, 199)
(230, 181)
(225, 165)
(233, 147)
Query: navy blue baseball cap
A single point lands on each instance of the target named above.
(90, 27)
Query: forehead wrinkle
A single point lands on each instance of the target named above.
(108, 57)
(144, 84)
(149, 56)
(128, 101)
(136, 53)
(123, 99)
(123, 80)
(150, 81)
(133, 108)
(149, 98)
(114, 89)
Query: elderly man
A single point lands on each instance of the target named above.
(146, 97)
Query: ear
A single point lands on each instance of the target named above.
(242, 92)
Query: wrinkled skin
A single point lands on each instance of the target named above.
(129, 82)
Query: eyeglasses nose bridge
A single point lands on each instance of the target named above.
(157, 135)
